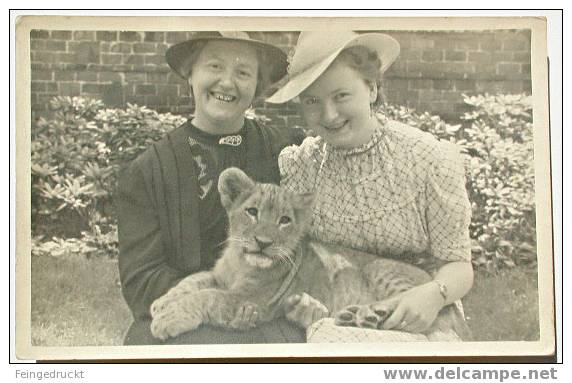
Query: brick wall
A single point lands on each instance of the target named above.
(432, 72)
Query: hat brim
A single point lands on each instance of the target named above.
(386, 47)
(177, 55)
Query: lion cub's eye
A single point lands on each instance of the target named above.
(285, 220)
(252, 211)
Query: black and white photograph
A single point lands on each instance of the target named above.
(306, 187)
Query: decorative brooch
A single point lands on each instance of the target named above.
(231, 140)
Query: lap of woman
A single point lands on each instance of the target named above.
(278, 331)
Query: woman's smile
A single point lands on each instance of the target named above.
(223, 81)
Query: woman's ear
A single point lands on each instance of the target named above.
(372, 92)
(232, 183)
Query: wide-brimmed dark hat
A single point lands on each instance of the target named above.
(274, 57)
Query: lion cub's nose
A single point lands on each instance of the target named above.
(263, 242)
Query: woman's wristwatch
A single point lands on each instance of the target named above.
(443, 290)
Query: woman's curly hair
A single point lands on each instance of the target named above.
(367, 63)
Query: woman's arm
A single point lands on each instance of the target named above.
(143, 268)
(416, 309)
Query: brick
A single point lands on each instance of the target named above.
(155, 60)
(138, 100)
(452, 96)
(176, 37)
(508, 68)
(39, 34)
(422, 43)
(86, 76)
(135, 77)
(111, 58)
(167, 90)
(51, 87)
(56, 45)
(61, 35)
(66, 58)
(84, 35)
(130, 36)
(92, 88)
(489, 46)
(69, 88)
(41, 75)
(432, 55)
(444, 42)
(120, 48)
(144, 48)
(43, 56)
(157, 78)
(455, 56)
(502, 56)
(153, 101)
(443, 84)
(145, 90)
(106, 35)
(465, 85)
(104, 46)
(420, 84)
(113, 94)
(38, 86)
(522, 57)
(161, 49)
(155, 37)
(514, 45)
(110, 77)
(64, 76)
(470, 45)
(134, 59)
(481, 57)
(87, 52)
(410, 55)
(430, 94)
(525, 70)
(38, 45)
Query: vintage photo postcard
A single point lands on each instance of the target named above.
(274, 187)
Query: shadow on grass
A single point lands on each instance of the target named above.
(78, 303)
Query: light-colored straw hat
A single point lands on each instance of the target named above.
(177, 55)
(316, 50)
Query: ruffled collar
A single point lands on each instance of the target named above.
(374, 140)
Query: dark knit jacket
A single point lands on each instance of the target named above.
(158, 208)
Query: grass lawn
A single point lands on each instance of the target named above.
(78, 303)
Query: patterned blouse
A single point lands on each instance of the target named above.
(402, 192)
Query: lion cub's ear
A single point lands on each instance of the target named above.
(231, 183)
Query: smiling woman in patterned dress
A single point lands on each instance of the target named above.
(381, 187)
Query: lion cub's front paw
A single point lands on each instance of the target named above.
(246, 317)
(366, 316)
(172, 321)
(304, 309)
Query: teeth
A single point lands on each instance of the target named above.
(257, 261)
(223, 97)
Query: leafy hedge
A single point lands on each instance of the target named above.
(76, 156)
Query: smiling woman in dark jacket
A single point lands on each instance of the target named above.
(171, 222)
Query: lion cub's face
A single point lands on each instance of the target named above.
(266, 221)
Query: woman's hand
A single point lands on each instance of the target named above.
(414, 310)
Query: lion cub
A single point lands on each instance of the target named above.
(268, 260)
